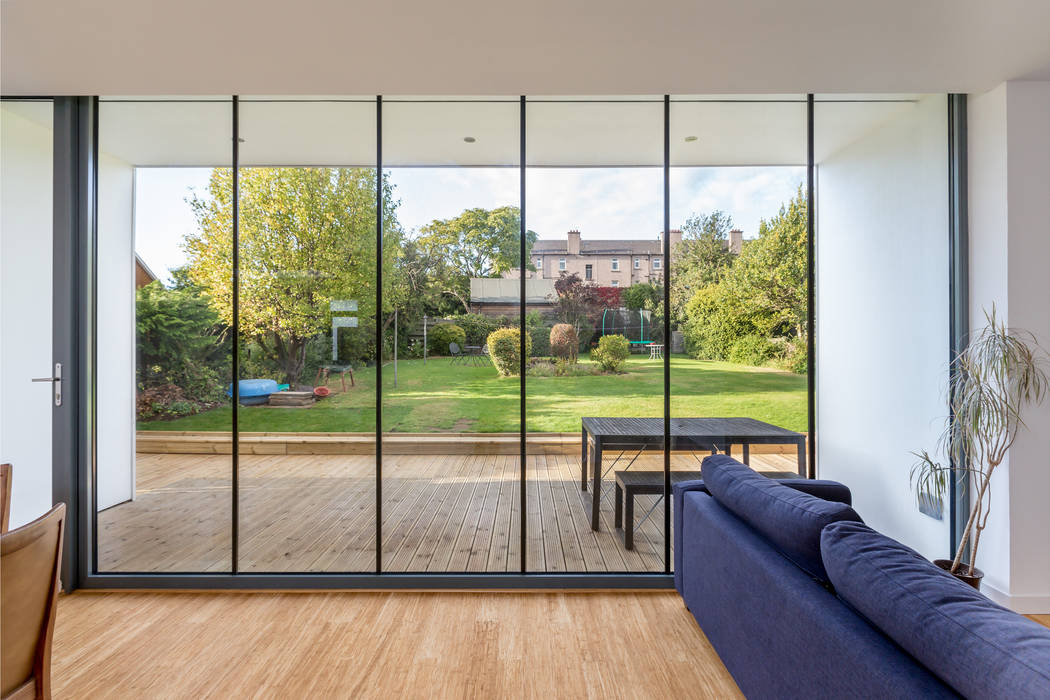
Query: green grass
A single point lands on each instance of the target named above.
(441, 398)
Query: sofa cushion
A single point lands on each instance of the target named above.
(790, 519)
(979, 648)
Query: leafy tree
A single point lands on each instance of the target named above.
(643, 295)
(577, 300)
(477, 243)
(307, 237)
(701, 259)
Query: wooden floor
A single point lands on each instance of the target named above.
(308, 513)
(383, 645)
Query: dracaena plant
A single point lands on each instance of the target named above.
(999, 373)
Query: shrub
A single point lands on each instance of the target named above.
(440, 336)
(564, 342)
(477, 326)
(504, 346)
(753, 350)
(795, 359)
(541, 342)
(611, 353)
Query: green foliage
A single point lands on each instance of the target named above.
(700, 260)
(439, 337)
(754, 350)
(564, 342)
(560, 368)
(307, 237)
(540, 339)
(477, 243)
(504, 349)
(478, 326)
(643, 295)
(611, 353)
(182, 351)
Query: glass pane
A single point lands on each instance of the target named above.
(307, 309)
(595, 200)
(451, 459)
(738, 278)
(26, 301)
(165, 346)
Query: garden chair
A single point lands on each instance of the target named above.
(456, 352)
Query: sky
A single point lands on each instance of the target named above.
(601, 203)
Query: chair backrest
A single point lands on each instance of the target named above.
(453, 348)
(5, 497)
(30, 564)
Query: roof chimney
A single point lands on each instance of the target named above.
(573, 244)
(675, 237)
(736, 241)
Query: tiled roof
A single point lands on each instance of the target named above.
(598, 247)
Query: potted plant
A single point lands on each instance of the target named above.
(1000, 372)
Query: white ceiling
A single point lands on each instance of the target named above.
(539, 46)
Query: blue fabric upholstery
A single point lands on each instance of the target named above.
(780, 633)
(828, 490)
(789, 519)
(978, 647)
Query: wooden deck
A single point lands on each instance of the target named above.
(316, 513)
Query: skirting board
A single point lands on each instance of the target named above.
(1023, 604)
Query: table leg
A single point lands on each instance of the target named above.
(583, 460)
(628, 518)
(596, 497)
(342, 380)
(618, 507)
(802, 458)
(747, 453)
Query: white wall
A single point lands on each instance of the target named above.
(1009, 191)
(116, 332)
(882, 316)
(26, 217)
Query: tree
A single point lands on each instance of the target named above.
(643, 295)
(477, 243)
(769, 279)
(307, 237)
(701, 259)
(577, 300)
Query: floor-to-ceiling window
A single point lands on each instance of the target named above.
(739, 286)
(594, 196)
(307, 278)
(164, 356)
(380, 259)
(450, 402)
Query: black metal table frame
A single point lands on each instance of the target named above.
(641, 443)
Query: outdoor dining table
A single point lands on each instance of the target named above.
(632, 436)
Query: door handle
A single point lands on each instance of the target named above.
(56, 381)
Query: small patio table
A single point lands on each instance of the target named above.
(656, 351)
(632, 436)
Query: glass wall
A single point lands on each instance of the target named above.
(739, 287)
(165, 269)
(332, 332)
(451, 418)
(307, 235)
(594, 192)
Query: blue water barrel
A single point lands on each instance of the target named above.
(254, 391)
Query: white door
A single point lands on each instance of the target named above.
(26, 243)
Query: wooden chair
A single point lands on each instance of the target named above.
(30, 563)
(5, 497)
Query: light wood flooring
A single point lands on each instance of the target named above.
(383, 645)
(441, 513)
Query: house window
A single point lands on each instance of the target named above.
(588, 272)
(637, 263)
(616, 264)
(561, 264)
(616, 283)
(538, 264)
(656, 263)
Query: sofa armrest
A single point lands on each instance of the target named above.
(828, 490)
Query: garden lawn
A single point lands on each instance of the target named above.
(440, 397)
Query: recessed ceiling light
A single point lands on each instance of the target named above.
(469, 139)
(690, 139)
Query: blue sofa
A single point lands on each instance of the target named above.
(802, 600)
